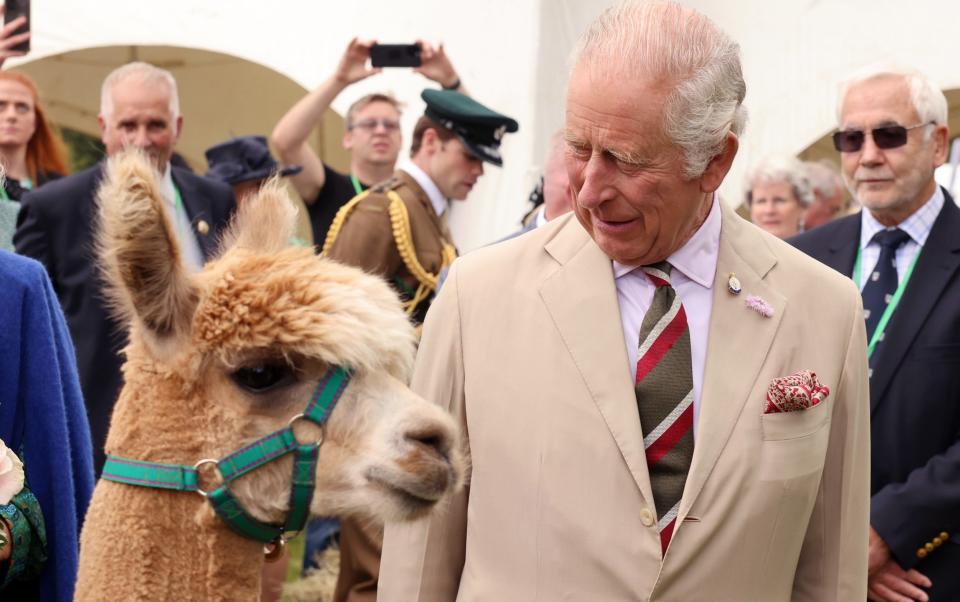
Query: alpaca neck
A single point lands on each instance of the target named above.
(150, 544)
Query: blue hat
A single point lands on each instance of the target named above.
(479, 129)
(242, 159)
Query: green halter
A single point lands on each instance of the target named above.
(181, 477)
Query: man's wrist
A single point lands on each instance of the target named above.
(453, 85)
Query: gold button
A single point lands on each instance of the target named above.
(921, 553)
(203, 227)
(944, 535)
(646, 517)
(928, 546)
(936, 542)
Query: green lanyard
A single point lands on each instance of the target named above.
(26, 184)
(177, 201)
(356, 183)
(894, 301)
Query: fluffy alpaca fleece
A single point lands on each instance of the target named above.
(386, 452)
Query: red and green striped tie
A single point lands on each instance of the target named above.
(664, 388)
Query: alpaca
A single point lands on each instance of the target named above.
(222, 357)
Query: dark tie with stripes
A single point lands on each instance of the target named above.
(882, 282)
(664, 388)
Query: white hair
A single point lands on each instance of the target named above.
(926, 97)
(665, 41)
(145, 73)
(824, 178)
(789, 170)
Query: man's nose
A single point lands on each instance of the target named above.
(594, 190)
(870, 154)
(139, 138)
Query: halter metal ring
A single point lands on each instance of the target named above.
(299, 417)
(197, 466)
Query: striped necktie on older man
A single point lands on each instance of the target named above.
(664, 388)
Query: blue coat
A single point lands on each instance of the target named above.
(42, 415)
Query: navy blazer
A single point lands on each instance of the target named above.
(914, 400)
(55, 227)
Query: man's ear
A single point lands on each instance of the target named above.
(347, 139)
(179, 130)
(430, 141)
(719, 166)
(941, 145)
(102, 123)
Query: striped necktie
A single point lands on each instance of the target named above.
(664, 388)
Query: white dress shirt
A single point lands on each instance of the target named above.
(189, 247)
(918, 226)
(694, 268)
(439, 202)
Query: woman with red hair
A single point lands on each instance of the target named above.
(31, 151)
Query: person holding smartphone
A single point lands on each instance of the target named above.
(372, 135)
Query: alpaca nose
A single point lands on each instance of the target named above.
(433, 440)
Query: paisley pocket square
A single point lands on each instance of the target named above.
(799, 391)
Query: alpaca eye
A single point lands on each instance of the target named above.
(263, 377)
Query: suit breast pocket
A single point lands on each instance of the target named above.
(794, 443)
(943, 352)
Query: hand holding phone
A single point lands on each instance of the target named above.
(395, 55)
(15, 35)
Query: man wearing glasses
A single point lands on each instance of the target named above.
(372, 136)
(903, 251)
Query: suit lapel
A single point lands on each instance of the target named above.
(196, 208)
(737, 346)
(581, 297)
(936, 266)
(842, 252)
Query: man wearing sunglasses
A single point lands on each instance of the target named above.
(372, 134)
(903, 251)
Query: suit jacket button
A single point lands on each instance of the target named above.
(921, 553)
(203, 227)
(646, 517)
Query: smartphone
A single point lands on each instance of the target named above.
(12, 10)
(395, 55)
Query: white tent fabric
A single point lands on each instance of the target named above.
(512, 55)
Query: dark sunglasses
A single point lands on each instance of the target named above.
(888, 136)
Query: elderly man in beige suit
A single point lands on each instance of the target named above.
(661, 401)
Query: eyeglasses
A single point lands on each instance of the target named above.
(886, 137)
(369, 125)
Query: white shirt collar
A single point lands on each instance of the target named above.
(439, 202)
(697, 259)
(167, 188)
(917, 225)
(540, 218)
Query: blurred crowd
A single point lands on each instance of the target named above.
(387, 215)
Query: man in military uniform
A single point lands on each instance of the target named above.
(397, 229)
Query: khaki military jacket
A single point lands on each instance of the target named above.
(370, 235)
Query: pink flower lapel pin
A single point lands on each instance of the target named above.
(799, 391)
(759, 305)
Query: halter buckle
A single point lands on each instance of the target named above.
(204, 493)
(312, 429)
(274, 550)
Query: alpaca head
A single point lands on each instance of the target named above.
(245, 341)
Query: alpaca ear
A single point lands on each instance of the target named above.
(265, 222)
(147, 283)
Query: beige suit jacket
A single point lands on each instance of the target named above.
(524, 346)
